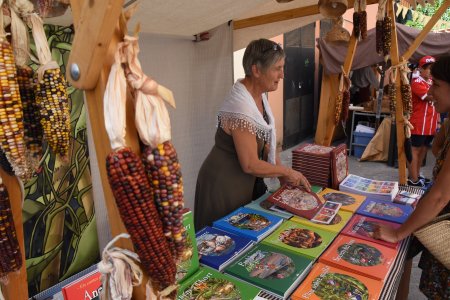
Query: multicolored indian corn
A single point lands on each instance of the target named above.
(164, 173)
(137, 209)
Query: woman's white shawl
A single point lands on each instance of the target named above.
(239, 110)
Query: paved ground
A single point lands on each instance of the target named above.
(381, 171)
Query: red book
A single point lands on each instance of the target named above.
(339, 165)
(363, 227)
(297, 201)
(327, 282)
(86, 287)
(360, 256)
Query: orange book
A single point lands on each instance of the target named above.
(325, 281)
(360, 256)
(350, 202)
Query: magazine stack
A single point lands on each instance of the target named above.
(372, 189)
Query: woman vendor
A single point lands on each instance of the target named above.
(435, 278)
(245, 143)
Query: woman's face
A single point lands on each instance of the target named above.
(440, 90)
(272, 76)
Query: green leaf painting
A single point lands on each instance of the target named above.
(59, 216)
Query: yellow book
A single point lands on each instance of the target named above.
(350, 202)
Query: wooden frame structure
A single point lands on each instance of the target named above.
(97, 35)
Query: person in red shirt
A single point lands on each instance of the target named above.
(424, 119)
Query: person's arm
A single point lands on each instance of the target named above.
(427, 209)
(420, 90)
(438, 140)
(246, 148)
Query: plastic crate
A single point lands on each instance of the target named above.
(360, 141)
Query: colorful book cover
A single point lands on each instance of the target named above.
(406, 197)
(336, 225)
(250, 223)
(218, 248)
(327, 282)
(264, 205)
(88, 286)
(373, 189)
(188, 263)
(350, 202)
(387, 211)
(364, 227)
(360, 256)
(300, 239)
(208, 283)
(296, 200)
(272, 269)
(339, 165)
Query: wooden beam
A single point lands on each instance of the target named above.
(400, 123)
(423, 33)
(17, 285)
(347, 67)
(91, 41)
(284, 15)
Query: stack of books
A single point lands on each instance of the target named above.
(322, 166)
(372, 189)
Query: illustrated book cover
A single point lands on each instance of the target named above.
(339, 165)
(350, 202)
(218, 248)
(208, 283)
(272, 269)
(250, 223)
(188, 264)
(262, 204)
(387, 211)
(297, 201)
(360, 256)
(300, 239)
(88, 286)
(337, 224)
(373, 189)
(363, 227)
(327, 282)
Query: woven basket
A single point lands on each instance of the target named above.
(435, 236)
(338, 34)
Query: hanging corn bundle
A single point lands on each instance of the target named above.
(159, 156)
(379, 27)
(392, 93)
(339, 99)
(51, 94)
(10, 255)
(363, 19)
(405, 89)
(11, 116)
(356, 21)
(342, 99)
(131, 188)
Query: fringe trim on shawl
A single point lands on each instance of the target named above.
(235, 120)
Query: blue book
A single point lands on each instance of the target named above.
(249, 223)
(383, 210)
(218, 248)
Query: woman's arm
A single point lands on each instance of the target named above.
(427, 209)
(247, 151)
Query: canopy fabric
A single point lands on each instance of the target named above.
(333, 54)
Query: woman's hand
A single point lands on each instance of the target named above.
(295, 178)
(386, 233)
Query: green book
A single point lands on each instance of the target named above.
(274, 270)
(188, 263)
(208, 283)
(300, 239)
(316, 189)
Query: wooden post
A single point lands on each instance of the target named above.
(331, 126)
(400, 123)
(94, 103)
(423, 33)
(17, 286)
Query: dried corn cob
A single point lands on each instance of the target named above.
(337, 113)
(392, 91)
(363, 24)
(31, 116)
(11, 117)
(132, 192)
(4, 163)
(379, 36)
(53, 101)
(387, 23)
(164, 173)
(356, 25)
(345, 105)
(406, 98)
(10, 255)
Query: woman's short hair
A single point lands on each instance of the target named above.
(441, 69)
(263, 53)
